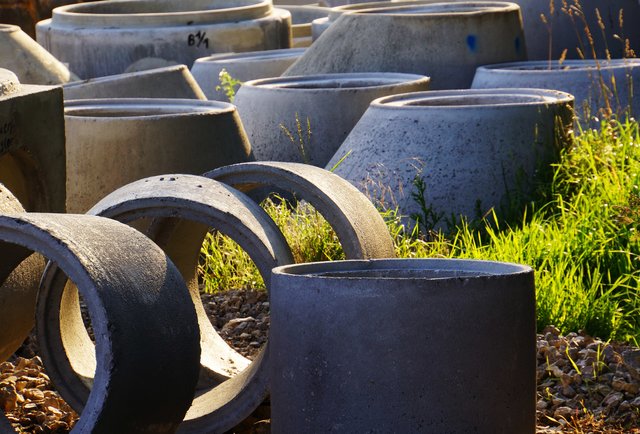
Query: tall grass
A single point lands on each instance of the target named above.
(580, 235)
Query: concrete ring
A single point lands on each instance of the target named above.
(357, 223)
(146, 366)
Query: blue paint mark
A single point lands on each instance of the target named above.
(471, 42)
(517, 44)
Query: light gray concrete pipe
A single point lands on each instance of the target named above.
(361, 230)
(185, 207)
(19, 289)
(32, 143)
(403, 345)
(147, 341)
(106, 38)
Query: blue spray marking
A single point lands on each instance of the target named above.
(471, 42)
(517, 44)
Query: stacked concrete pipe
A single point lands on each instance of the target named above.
(475, 149)
(110, 262)
(32, 143)
(305, 119)
(445, 41)
(111, 142)
(105, 38)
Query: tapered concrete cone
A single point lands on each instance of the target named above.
(168, 82)
(472, 150)
(112, 142)
(106, 38)
(445, 41)
(28, 60)
(601, 88)
(305, 119)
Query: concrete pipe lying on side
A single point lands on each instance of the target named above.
(474, 149)
(241, 66)
(105, 38)
(305, 119)
(32, 143)
(445, 41)
(112, 142)
(168, 82)
(185, 207)
(146, 334)
(359, 227)
(600, 87)
(18, 290)
(403, 345)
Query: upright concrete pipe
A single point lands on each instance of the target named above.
(111, 142)
(105, 38)
(404, 345)
(185, 207)
(361, 230)
(19, 289)
(445, 41)
(32, 143)
(147, 348)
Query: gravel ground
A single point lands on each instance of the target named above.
(584, 385)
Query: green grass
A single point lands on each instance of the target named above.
(580, 235)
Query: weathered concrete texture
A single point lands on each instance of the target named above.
(565, 28)
(317, 110)
(475, 149)
(301, 18)
(148, 344)
(361, 230)
(112, 142)
(28, 60)
(598, 86)
(241, 66)
(188, 206)
(407, 346)
(104, 38)
(19, 278)
(167, 82)
(32, 143)
(445, 41)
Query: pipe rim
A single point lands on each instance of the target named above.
(444, 9)
(142, 108)
(465, 99)
(250, 56)
(335, 82)
(555, 66)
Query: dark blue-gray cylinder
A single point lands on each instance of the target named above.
(403, 345)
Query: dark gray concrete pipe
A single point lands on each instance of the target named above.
(403, 345)
(146, 334)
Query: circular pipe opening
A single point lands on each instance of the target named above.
(136, 108)
(462, 8)
(334, 81)
(567, 65)
(253, 56)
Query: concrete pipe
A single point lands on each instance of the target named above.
(361, 230)
(112, 142)
(600, 87)
(301, 18)
(445, 41)
(403, 345)
(186, 207)
(167, 82)
(32, 143)
(28, 60)
(146, 333)
(474, 149)
(19, 289)
(105, 38)
(305, 119)
(241, 66)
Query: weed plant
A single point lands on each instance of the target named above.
(580, 235)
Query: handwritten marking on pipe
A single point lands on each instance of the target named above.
(198, 40)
